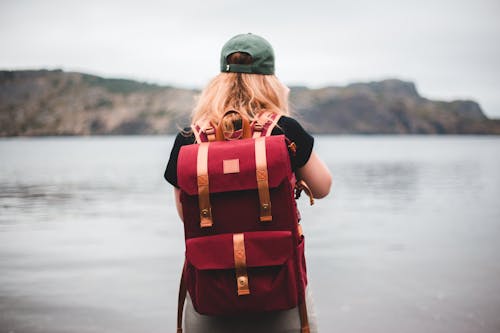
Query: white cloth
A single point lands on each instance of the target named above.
(287, 321)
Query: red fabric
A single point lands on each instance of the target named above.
(271, 269)
(244, 151)
(235, 212)
(262, 248)
(274, 250)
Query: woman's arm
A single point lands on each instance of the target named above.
(316, 175)
(178, 204)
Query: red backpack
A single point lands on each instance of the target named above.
(244, 244)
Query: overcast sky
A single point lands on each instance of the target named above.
(450, 49)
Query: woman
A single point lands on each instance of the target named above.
(247, 83)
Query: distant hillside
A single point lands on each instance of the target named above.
(387, 107)
(61, 103)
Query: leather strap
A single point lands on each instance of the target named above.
(304, 321)
(300, 186)
(210, 132)
(273, 120)
(182, 299)
(299, 230)
(203, 135)
(262, 180)
(244, 133)
(257, 130)
(264, 123)
(196, 131)
(240, 264)
(203, 189)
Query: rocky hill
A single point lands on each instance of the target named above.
(62, 103)
(387, 107)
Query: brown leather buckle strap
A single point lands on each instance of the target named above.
(240, 264)
(257, 130)
(203, 189)
(210, 132)
(304, 321)
(264, 123)
(271, 123)
(299, 230)
(244, 133)
(182, 299)
(300, 186)
(258, 125)
(196, 131)
(262, 180)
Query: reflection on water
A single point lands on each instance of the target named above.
(391, 183)
(36, 200)
(407, 241)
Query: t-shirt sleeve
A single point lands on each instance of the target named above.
(171, 170)
(304, 142)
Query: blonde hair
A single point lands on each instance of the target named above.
(250, 94)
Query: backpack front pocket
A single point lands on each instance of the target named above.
(270, 269)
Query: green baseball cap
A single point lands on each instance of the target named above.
(261, 51)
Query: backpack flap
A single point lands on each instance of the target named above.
(232, 166)
(263, 248)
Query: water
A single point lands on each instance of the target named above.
(407, 241)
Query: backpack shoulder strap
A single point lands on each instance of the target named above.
(262, 126)
(264, 123)
(203, 135)
(196, 131)
(182, 298)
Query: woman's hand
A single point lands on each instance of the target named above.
(317, 176)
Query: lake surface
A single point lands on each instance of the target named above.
(408, 240)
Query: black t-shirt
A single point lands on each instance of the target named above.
(290, 127)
